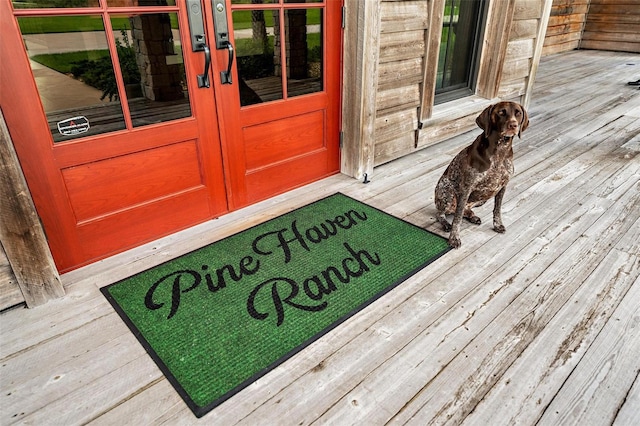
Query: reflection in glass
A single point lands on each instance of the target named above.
(134, 3)
(41, 4)
(74, 73)
(304, 51)
(254, 1)
(152, 67)
(460, 34)
(258, 49)
(254, 34)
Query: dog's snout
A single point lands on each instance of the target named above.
(513, 124)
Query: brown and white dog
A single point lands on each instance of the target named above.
(481, 170)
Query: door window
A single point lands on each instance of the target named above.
(279, 51)
(103, 71)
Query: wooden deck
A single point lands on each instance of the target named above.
(540, 325)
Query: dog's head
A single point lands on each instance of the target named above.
(506, 118)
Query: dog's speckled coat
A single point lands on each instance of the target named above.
(481, 170)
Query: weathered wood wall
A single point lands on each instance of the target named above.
(403, 33)
(524, 50)
(21, 234)
(566, 24)
(612, 25)
(408, 30)
(10, 293)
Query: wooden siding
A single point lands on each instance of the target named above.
(540, 325)
(524, 49)
(403, 35)
(360, 80)
(405, 118)
(613, 25)
(10, 293)
(566, 23)
(22, 236)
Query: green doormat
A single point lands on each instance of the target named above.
(217, 319)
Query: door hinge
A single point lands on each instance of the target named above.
(344, 16)
(341, 139)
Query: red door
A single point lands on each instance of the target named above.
(118, 142)
(280, 114)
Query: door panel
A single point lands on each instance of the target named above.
(146, 222)
(113, 184)
(267, 144)
(281, 111)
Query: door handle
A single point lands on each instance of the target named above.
(203, 79)
(225, 76)
(199, 39)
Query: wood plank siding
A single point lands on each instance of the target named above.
(566, 23)
(593, 24)
(400, 74)
(406, 118)
(612, 25)
(10, 293)
(24, 245)
(540, 325)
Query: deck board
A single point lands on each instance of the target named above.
(540, 324)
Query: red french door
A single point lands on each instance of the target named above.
(120, 141)
(281, 109)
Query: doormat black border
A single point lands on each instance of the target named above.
(200, 411)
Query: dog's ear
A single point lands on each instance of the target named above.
(524, 123)
(484, 120)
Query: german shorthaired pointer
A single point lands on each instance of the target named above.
(481, 170)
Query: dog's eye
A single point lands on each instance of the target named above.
(517, 112)
(502, 112)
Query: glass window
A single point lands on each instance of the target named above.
(260, 79)
(74, 73)
(459, 49)
(259, 53)
(253, 1)
(304, 51)
(138, 3)
(152, 67)
(42, 4)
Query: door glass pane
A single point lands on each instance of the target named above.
(259, 71)
(137, 3)
(253, 1)
(152, 67)
(74, 73)
(304, 51)
(40, 4)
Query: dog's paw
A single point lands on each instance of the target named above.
(474, 219)
(445, 224)
(454, 242)
(500, 229)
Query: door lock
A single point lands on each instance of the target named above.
(196, 26)
(220, 23)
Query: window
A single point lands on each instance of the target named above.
(90, 83)
(459, 49)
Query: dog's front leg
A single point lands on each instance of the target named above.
(461, 200)
(497, 211)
